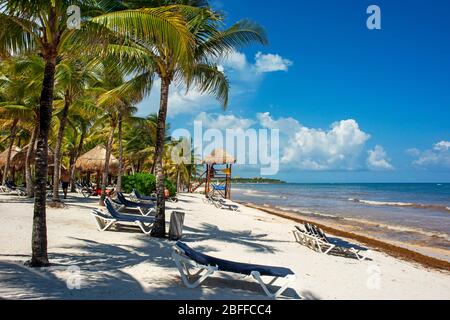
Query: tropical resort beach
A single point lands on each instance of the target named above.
(102, 199)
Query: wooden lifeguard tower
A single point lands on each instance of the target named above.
(217, 177)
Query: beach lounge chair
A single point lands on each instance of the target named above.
(222, 204)
(315, 237)
(135, 195)
(186, 258)
(144, 208)
(106, 221)
(10, 188)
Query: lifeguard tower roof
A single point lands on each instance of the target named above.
(219, 157)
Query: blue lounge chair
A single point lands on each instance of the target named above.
(106, 220)
(139, 197)
(186, 257)
(144, 208)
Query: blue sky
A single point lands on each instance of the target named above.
(352, 104)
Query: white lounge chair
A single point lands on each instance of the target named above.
(186, 258)
(315, 238)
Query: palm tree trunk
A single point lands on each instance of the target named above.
(119, 177)
(178, 180)
(28, 159)
(72, 169)
(39, 256)
(159, 228)
(10, 147)
(106, 168)
(57, 161)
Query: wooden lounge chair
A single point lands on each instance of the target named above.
(186, 257)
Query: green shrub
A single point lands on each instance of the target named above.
(145, 184)
(171, 187)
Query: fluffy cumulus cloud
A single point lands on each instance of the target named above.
(337, 148)
(224, 122)
(243, 74)
(438, 156)
(341, 147)
(271, 63)
(244, 70)
(378, 160)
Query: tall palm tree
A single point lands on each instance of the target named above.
(42, 25)
(19, 76)
(117, 97)
(199, 70)
(73, 77)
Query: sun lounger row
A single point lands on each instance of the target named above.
(313, 237)
(9, 188)
(221, 204)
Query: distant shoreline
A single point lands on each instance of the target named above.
(388, 248)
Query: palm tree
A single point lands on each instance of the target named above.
(73, 77)
(42, 25)
(18, 83)
(196, 69)
(117, 96)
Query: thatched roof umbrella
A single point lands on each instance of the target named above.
(18, 161)
(219, 157)
(4, 155)
(94, 161)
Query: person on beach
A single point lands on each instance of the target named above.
(65, 180)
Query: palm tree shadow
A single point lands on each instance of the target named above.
(256, 242)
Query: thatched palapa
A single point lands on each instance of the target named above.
(94, 161)
(219, 157)
(18, 161)
(4, 155)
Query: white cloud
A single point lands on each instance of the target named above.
(378, 160)
(244, 78)
(223, 122)
(235, 60)
(438, 156)
(442, 146)
(316, 149)
(271, 63)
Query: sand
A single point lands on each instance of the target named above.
(126, 264)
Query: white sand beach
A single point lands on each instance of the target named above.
(126, 264)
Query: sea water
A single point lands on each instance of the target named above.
(418, 214)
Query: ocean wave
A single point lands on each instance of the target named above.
(306, 212)
(258, 194)
(402, 204)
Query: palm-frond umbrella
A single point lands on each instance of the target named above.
(4, 155)
(94, 161)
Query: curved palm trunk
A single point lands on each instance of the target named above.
(28, 159)
(119, 177)
(159, 228)
(57, 157)
(72, 168)
(39, 256)
(10, 147)
(106, 168)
